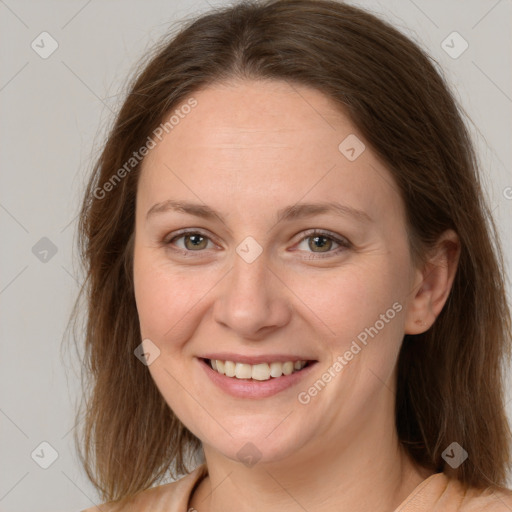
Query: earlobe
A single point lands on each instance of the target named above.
(433, 283)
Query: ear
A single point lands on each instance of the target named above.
(433, 283)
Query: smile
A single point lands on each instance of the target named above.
(261, 371)
(258, 380)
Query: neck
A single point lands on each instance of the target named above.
(365, 469)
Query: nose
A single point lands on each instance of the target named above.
(252, 300)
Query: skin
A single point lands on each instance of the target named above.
(246, 150)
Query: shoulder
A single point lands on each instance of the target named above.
(170, 497)
(492, 499)
(439, 493)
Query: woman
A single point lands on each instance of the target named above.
(293, 280)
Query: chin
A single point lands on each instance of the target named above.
(258, 445)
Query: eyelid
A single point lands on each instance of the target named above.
(328, 234)
(342, 242)
(189, 231)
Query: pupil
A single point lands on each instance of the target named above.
(320, 245)
(196, 240)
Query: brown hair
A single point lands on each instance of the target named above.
(450, 378)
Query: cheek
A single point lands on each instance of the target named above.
(351, 299)
(150, 298)
(377, 314)
(168, 300)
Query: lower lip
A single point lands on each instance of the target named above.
(249, 388)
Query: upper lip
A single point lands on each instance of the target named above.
(264, 358)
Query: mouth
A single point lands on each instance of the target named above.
(256, 381)
(260, 372)
(256, 376)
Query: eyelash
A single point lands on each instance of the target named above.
(343, 243)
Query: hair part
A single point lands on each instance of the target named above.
(450, 378)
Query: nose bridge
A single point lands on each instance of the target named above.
(250, 277)
(250, 300)
(248, 288)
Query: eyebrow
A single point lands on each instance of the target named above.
(293, 212)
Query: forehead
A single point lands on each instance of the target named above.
(261, 140)
(230, 114)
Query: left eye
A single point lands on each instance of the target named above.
(322, 242)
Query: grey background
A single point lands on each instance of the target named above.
(54, 115)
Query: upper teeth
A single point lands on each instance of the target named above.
(262, 371)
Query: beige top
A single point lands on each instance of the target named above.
(437, 493)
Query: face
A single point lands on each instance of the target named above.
(247, 270)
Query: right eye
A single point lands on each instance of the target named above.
(191, 241)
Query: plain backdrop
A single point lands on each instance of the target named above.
(54, 112)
